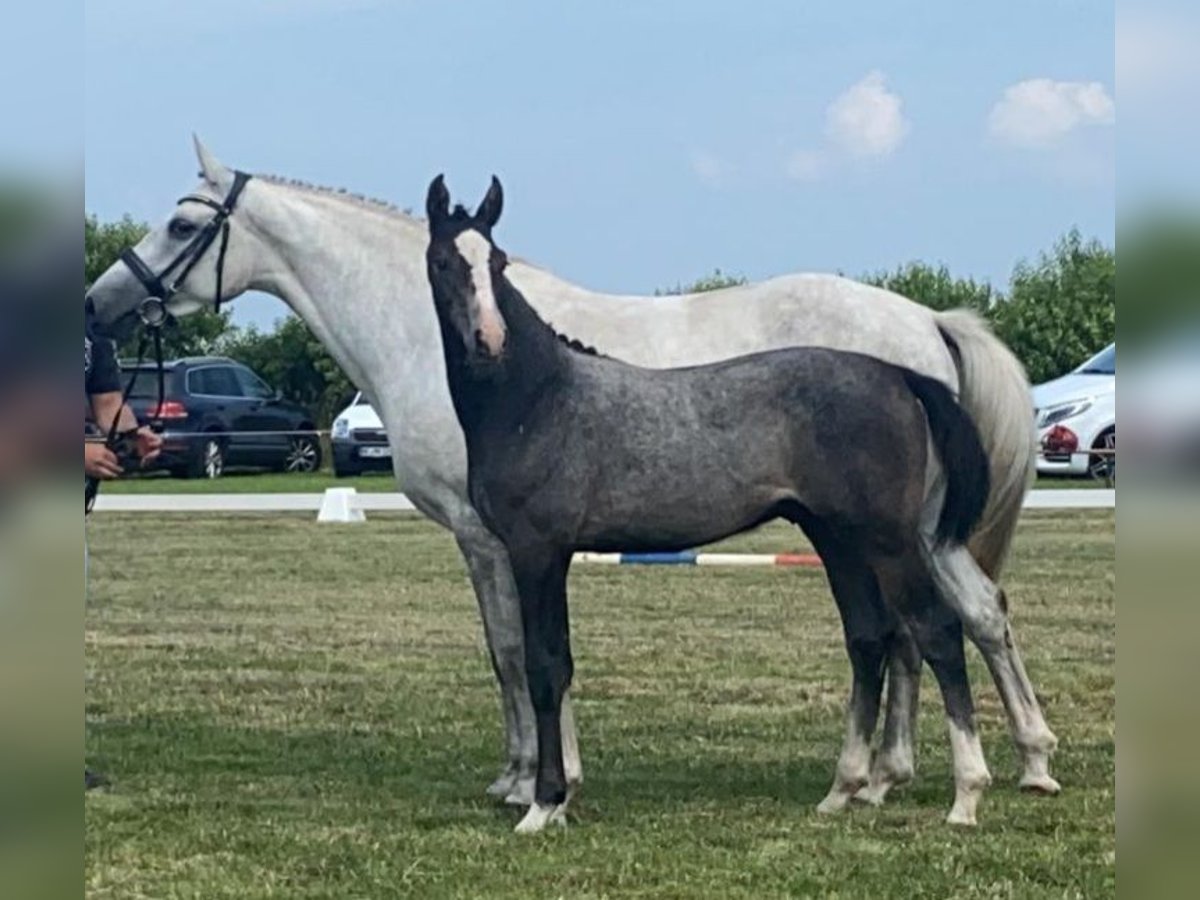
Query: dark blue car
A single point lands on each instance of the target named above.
(218, 414)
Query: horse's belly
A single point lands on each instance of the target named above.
(666, 516)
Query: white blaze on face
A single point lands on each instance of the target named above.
(476, 250)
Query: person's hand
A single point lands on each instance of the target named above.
(149, 444)
(99, 461)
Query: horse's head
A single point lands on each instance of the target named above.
(466, 268)
(201, 254)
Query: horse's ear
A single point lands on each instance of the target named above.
(211, 168)
(493, 203)
(437, 202)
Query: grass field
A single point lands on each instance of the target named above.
(294, 710)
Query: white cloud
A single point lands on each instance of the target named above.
(867, 120)
(1040, 112)
(707, 167)
(805, 165)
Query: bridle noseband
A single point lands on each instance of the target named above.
(185, 260)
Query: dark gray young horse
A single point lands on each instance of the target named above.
(570, 451)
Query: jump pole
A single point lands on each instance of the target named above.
(697, 558)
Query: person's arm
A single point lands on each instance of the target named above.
(108, 407)
(103, 386)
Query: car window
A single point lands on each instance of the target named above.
(196, 382)
(214, 381)
(145, 385)
(252, 385)
(1103, 363)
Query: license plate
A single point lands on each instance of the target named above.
(375, 452)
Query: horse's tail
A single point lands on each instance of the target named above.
(994, 391)
(962, 455)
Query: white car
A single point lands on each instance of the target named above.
(1077, 414)
(359, 442)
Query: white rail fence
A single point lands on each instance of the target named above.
(345, 504)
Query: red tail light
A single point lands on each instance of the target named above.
(1060, 440)
(170, 409)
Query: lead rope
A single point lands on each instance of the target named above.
(153, 315)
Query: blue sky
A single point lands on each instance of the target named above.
(640, 144)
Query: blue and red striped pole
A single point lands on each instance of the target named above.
(699, 558)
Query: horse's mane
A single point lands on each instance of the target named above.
(577, 345)
(362, 200)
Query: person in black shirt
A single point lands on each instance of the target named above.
(102, 392)
(102, 387)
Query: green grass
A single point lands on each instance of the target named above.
(295, 710)
(289, 483)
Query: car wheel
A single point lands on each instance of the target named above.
(303, 455)
(1103, 466)
(209, 460)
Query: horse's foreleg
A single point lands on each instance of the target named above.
(500, 610)
(541, 578)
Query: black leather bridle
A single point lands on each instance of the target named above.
(161, 285)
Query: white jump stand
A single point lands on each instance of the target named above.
(340, 504)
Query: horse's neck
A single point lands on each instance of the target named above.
(354, 275)
(504, 389)
(529, 337)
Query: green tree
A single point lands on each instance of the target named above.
(193, 335)
(291, 359)
(1062, 308)
(935, 287)
(714, 282)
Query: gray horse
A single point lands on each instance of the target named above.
(354, 270)
(568, 450)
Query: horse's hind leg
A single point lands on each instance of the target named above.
(893, 764)
(980, 605)
(938, 633)
(865, 624)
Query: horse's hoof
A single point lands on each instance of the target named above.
(521, 793)
(1040, 784)
(538, 817)
(873, 794)
(961, 818)
(503, 785)
(835, 801)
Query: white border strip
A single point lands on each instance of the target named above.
(368, 502)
